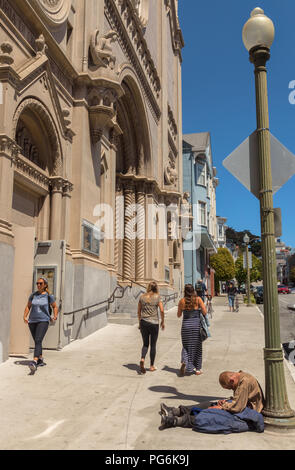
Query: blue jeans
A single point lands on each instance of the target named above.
(231, 300)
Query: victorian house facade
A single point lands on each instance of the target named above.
(199, 185)
(90, 139)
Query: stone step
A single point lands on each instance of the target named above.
(122, 318)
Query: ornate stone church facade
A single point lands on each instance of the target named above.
(90, 140)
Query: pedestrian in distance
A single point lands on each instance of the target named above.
(190, 307)
(231, 293)
(148, 306)
(209, 306)
(201, 289)
(37, 315)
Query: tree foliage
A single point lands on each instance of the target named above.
(223, 264)
(255, 272)
(292, 274)
(232, 236)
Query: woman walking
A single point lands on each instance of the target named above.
(231, 293)
(148, 319)
(38, 315)
(191, 307)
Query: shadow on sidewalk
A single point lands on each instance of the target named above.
(176, 371)
(134, 367)
(22, 363)
(182, 396)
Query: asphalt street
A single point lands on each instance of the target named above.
(287, 317)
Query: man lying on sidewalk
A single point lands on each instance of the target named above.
(240, 413)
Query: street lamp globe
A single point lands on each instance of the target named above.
(258, 30)
(246, 239)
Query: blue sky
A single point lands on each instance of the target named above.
(219, 95)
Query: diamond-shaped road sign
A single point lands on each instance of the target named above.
(243, 164)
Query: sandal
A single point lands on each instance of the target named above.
(182, 370)
(142, 368)
(199, 372)
(153, 368)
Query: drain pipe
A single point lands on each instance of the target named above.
(61, 293)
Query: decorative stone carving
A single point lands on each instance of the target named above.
(8, 146)
(25, 168)
(170, 173)
(28, 148)
(139, 55)
(41, 45)
(67, 120)
(5, 55)
(101, 49)
(54, 12)
(185, 197)
(41, 111)
(142, 10)
(172, 123)
(67, 188)
(102, 112)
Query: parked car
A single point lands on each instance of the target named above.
(258, 294)
(242, 289)
(283, 289)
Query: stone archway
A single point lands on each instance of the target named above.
(33, 128)
(134, 146)
(133, 168)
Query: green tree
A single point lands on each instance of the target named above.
(292, 274)
(255, 272)
(223, 264)
(236, 238)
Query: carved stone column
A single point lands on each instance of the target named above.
(56, 184)
(8, 151)
(66, 196)
(119, 227)
(140, 240)
(128, 243)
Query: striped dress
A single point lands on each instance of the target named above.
(191, 354)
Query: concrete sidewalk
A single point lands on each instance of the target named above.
(91, 396)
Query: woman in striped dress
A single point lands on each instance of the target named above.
(191, 307)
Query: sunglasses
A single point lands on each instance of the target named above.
(39, 283)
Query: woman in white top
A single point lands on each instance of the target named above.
(148, 319)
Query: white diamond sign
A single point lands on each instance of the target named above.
(242, 163)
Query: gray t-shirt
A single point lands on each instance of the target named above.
(40, 308)
(149, 307)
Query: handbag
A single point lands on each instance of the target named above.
(203, 331)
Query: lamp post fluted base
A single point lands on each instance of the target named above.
(279, 424)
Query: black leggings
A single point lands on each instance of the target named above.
(149, 331)
(38, 331)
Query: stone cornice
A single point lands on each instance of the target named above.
(150, 183)
(122, 18)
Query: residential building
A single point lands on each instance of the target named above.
(282, 254)
(199, 183)
(221, 231)
(90, 126)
